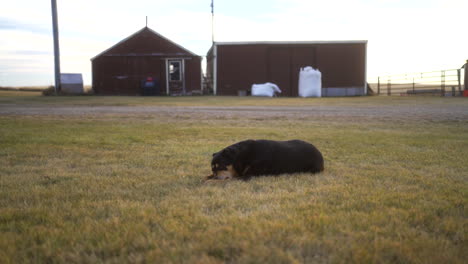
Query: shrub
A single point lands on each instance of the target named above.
(49, 91)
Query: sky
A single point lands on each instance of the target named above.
(404, 36)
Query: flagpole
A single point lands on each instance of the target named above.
(212, 21)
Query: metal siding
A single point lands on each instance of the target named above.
(301, 56)
(278, 73)
(193, 74)
(123, 75)
(285, 63)
(210, 71)
(240, 66)
(342, 65)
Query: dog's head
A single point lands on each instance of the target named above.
(222, 164)
(225, 163)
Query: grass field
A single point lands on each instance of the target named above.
(128, 187)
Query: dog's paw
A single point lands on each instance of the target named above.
(211, 179)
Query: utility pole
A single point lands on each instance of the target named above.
(56, 46)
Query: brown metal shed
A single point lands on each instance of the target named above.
(145, 56)
(235, 66)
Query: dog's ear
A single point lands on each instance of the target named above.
(214, 154)
(243, 158)
(230, 152)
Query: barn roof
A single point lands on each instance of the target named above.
(145, 29)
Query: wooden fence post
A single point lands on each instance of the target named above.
(389, 87)
(459, 81)
(442, 83)
(466, 75)
(378, 85)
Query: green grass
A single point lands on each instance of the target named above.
(115, 189)
(28, 98)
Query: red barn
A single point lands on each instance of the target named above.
(146, 63)
(234, 67)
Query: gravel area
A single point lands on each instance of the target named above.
(405, 112)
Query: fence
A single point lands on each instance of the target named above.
(444, 83)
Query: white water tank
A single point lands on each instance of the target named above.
(266, 89)
(310, 82)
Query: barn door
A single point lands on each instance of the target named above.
(175, 77)
(284, 64)
(300, 58)
(279, 71)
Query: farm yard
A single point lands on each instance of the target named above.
(91, 179)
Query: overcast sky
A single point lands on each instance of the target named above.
(404, 35)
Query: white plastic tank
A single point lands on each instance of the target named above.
(267, 89)
(310, 82)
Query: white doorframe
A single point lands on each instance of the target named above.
(182, 72)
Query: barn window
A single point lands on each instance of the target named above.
(174, 70)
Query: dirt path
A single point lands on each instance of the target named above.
(405, 112)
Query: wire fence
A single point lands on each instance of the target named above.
(443, 83)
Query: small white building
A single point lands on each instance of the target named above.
(71, 83)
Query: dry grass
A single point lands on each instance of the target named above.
(117, 189)
(35, 98)
(23, 88)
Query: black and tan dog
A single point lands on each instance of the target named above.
(250, 158)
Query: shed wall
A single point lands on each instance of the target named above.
(122, 75)
(121, 69)
(193, 74)
(240, 66)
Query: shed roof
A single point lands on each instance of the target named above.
(290, 42)
(315, 42)
(71, 78)
(141, 31)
